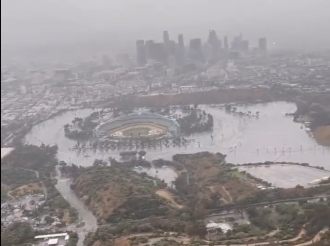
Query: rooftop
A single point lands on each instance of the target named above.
(53, 241)
(51, 236)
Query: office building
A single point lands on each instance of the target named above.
(240, 37)
(236, 43)
(180, 51)
(181, 40)
(166, 37)
(234, 55)
(263, 45)
(171, 48)
(158, 52)
(220, 43)
(213, 49)
(195, 49)
(148, 48)
(141, 53)
(245, 45)
(225, 43)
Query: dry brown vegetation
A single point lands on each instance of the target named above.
(169, 197)
(33, 188)
(116, 193)
(207, 182)
(322, 135)
(210, 179)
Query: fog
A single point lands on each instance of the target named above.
(114, 25)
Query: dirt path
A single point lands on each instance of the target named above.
(230, 198)
(314, 240)
(273, 233)
(169, 197)
(226, 197)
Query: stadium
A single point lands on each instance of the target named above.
(138, 125)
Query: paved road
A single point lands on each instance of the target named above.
(63, 186)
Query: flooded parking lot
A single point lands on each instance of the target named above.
(270, 137)
(285, 175)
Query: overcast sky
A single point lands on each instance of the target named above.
(117, 23)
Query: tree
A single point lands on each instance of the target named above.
(142, 153)
(196, 229)
(199, 213)
(49, 220)
(228, 107)
(16, 234)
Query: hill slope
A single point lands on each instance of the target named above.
(116, 193)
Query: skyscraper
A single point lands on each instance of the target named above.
(158, 52)
(225, 43)
(236, 43)
(141, 53)
(180, 50)
(181, 40)
(171, 48)
(212, 38)
(148, 48)
(240, 37)
(195, 49)
(245, 45)
(166, 37)
(214, 45)
(263, 45)
(220, 43)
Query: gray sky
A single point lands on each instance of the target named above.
(115, 24)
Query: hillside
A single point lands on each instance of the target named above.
(117, 193)
(322, 135)
(34, 158)
(206, 185)
(23, 169)
(18, 182)
(211, 181)
(27, 170)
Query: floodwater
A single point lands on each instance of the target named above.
(164, 173)
(90, 222)
(285, 175)
(245, 139)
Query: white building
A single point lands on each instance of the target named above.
(54, 239)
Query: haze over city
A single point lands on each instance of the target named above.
(102, 25)
(165, 122)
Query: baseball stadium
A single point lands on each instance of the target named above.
(138, 125)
